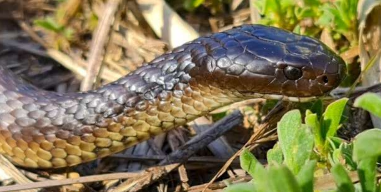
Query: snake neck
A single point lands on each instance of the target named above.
(45, 129)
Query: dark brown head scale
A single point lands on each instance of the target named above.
(268, 60)
(311, 68)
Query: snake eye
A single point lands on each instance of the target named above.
(292, 73)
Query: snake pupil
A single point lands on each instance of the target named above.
(292, 73)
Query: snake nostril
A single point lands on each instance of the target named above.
(325, 79)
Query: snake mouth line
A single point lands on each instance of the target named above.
(250, 95)
(286, 98)
(282, 97)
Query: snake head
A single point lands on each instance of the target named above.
(257, 59)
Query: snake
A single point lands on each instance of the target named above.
(44, 129)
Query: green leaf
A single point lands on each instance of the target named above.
(312, 2)
(68, 33)
(241, 187)
(332, 117)
(295, 139)
(92, 21)
(347, 153)
(342, 9)
(282, 180)
(260, 5)
(190, 5)
(367, 144)
(49, 24)
(367, 174)
(313, 123)
(251, 165)
(341, 17)
(275, 155)
(305, 13)
(342, 180)
(335, 142)
(326, 19)
(305, 177)
(335, 157)
(297, 29)
(303, 146)
(288, 128)
(370, 102)
(317, 108)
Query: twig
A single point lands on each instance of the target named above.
(221, 184)
(343, 92)
(12, 171)
(73, 64)
(85, 179)
(374, 88)
(184, 152)
(23, 25)
(24, 47)
(107, 74)
(175, 144)
(255, 17)
(97, 44)
(66, 61)
(200, 141)
(183, 177)
(219, 147)
(197, 159)
(166, 23)
(151, 175)
(273, 116)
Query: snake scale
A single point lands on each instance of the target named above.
(41, 129)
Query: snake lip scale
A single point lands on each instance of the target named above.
(41, 129)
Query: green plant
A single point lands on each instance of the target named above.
(292, 163)
(340, 16)
(191, 5)
(215, 6)
(295, 141)
(59, 29)
(319, 131)
(311, 17)
(279, 177)
(325, 127)
(50, 24)
(370, 102)
(288, 14)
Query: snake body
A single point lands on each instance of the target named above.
(41, 129)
